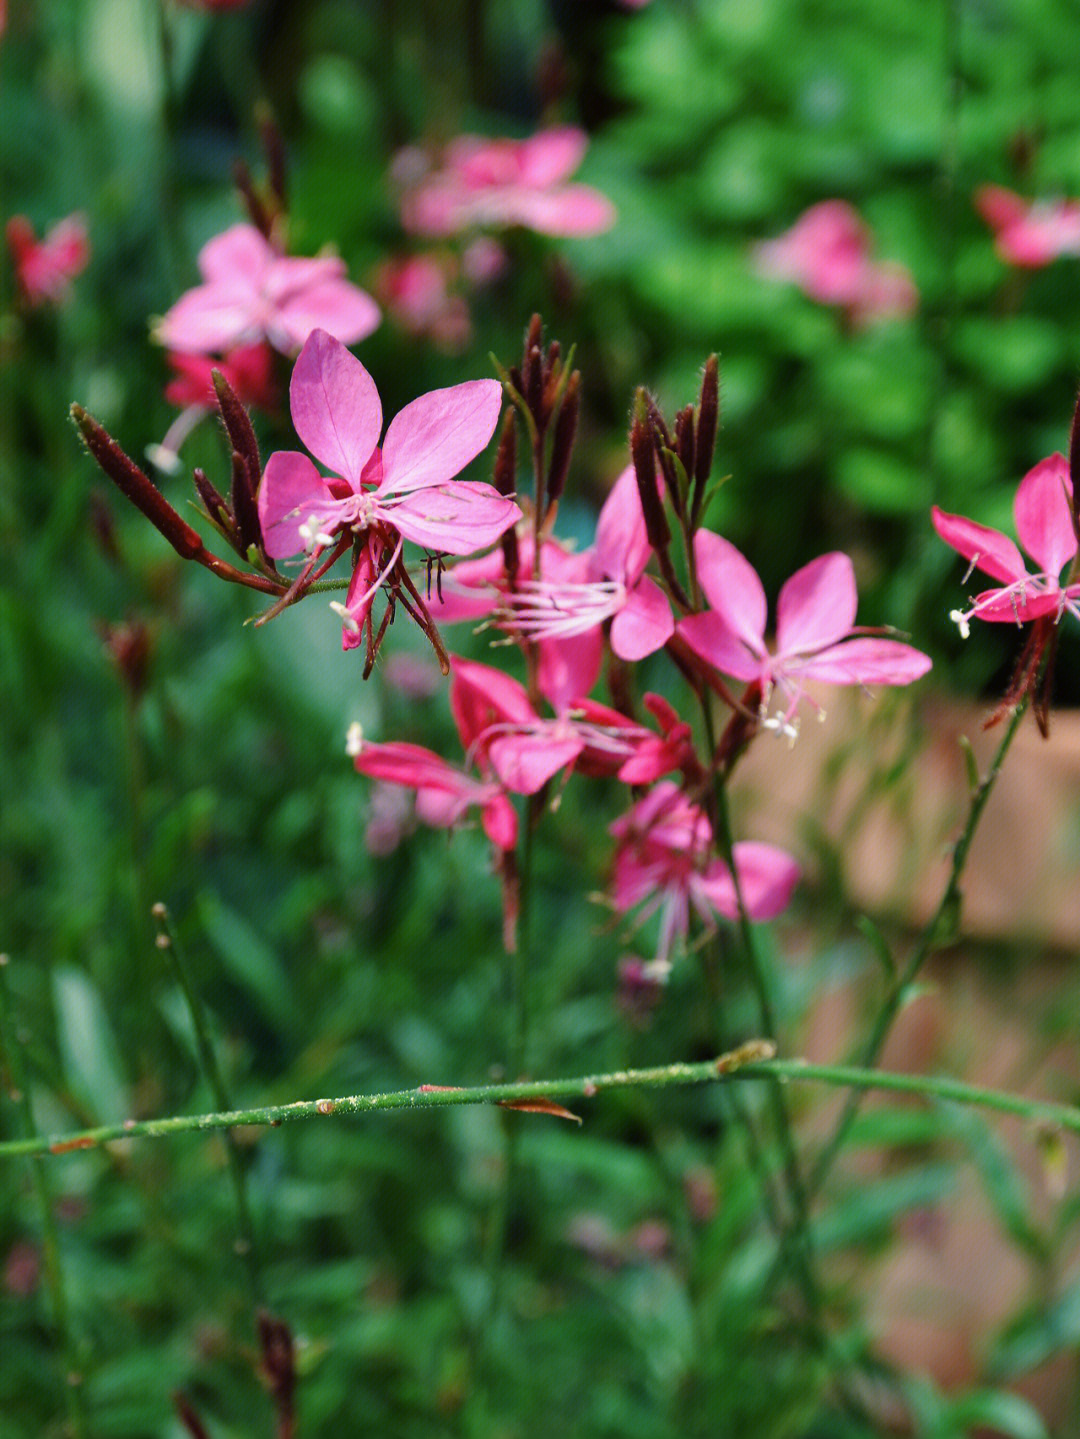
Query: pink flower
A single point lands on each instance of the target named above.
(249, 369)
(402, 491)
(252, 293)
(1043, 513)
(827, 254)
(1032, 233)
(416, 291)
(606, 582)
(665, 862)
(45, 268)
(443, 793)
(815, 634)
(499, 183)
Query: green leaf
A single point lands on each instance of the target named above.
(88, 1052)
(247, 957)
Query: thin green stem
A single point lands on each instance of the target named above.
(750, 1061)
(942, 920)
(245, 1241)
(72, 1378)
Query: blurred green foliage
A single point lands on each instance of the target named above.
(635, 1251)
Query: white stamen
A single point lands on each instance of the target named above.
(354, 739)
(960, 620)
(346, 619)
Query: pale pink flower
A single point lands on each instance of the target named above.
(1042, 510)
(487, 183)
(665, 861)
(606, 582)
(827, 253)
(404, 490)
(250, 292)
(45, 268)
(1029, 233)
(816, 638)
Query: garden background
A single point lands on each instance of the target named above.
(157, 749)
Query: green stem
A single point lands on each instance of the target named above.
(947, 908)
(750, 1061)
(245, 1241)
(72, 1378)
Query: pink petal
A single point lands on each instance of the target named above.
(335, 406)
(239, 256)
(621, 550)
(481, 696)
(413, 766)
(568, 669)
(1043, 515)
(552, 155)
(708, 636)
(455, 519)
(434, 437)
(499, 819)
(208, 318)
(816, 605)
(572, 211)
(525, 763)
(644, 624)
(992, 552)
(733, 590)
(999, 207)
(866, 661)
(1014, 608)
(291, 489)
(334, 305)
(767, 877)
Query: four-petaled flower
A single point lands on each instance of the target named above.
(500, 183)
(827, 253)
(1044, 522)
(250, 292)
(666, 861)
(404, 490)
(815, 634)
(1029, 233)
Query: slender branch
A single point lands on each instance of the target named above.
(245, 1241)
(427, 1096)
(750, 1061)
(72, 1379)
(934, 932)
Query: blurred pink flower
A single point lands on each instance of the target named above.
(665, 862)
(827, 254)
(1029, 233)
(250, 292)
(1044, 522)
(404, 490)
(816, 637)
(45, 268)
(249, 369)
(415, 289)
(499, 183)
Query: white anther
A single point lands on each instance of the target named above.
(346, 618)
(354, 739)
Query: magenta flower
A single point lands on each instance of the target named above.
(1043, 513)
(605, 582)
(403, 491)
(499, 183)
(45, 268)
(250, 292)
(1029, 233)
(827, 253)
(815, 634)
(665, 862)
(443, 793)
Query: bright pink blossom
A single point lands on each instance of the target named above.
(443, 793)
(404, 490)
(816, 638)
(250, 292)
(665, 861)
(1029, 233)
(827, 253)
(45, 268)
(1043, 514)
(499, 183)
(605, 582)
